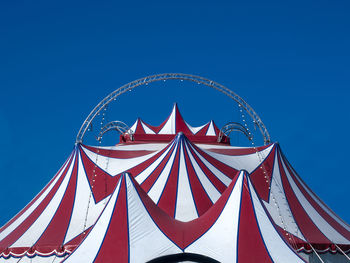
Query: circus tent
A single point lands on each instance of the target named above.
(184, 184)
(149, 233)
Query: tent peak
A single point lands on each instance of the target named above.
(173, 125)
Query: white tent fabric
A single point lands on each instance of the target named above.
(146, 239)
(188, 196)
(51, 225)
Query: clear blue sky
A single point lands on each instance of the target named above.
(289, 59)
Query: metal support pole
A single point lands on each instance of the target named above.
(319, 257)
(342, 252)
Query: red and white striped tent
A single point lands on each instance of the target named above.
(148, 233)
(207, 133)
(186, 197)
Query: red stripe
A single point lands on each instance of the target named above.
(224, 168)
(72, 244)
(50, 247)
(36, 197)
(248, 232)
(115, 245)
(309, 230)
(117, 153)
(180, 123)
(220, 186)
(258, 175)
(23, 227)
(180, 126)
(161, 138)
(301, 245)
(139, 128)
(55, 232)
(148, 126)
(293, 240)
(331, 221)
(136, 170)
(216, 129)
(157, 129)
(330, 210)
(104, 183)
(206, 131)
(201, 198)
(203, 131)
(184, 233)
(167, 201)
(147, 184)
(239, 151)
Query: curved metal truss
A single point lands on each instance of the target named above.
(234, 126)
(167, 76)
(119, 126)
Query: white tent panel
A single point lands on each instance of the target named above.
(210, 189)
(85, 210)
(211, 130)
(29, 238)
(220, 241)
(140, 178)
(185, 206)
(138, 147)
(157, 188)
(281, 213)
(170, 125)
(88, 249)
(24, 216)
(248, 162)
(321, 204)
(114, 166)
(143, 232)
(146, 129)
(194, 130)
(316, 218)
(278, 249)
(133, 127)
(221, 176)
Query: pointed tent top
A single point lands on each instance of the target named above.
(186, 181)
(175, 123)
(236, 225)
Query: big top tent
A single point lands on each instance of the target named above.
(174, 193)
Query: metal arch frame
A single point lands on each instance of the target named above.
(115, 125)
(167, 76)
(234, 126)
